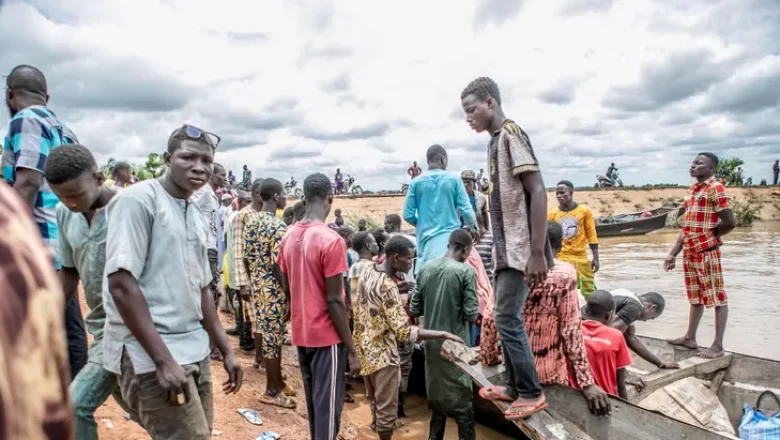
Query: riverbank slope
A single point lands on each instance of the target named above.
(603, 202)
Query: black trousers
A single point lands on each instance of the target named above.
(322, 370)
(77, 337)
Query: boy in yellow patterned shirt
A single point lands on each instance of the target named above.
(579, 232)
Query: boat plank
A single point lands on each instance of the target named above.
(627, 422)
(694, 366)
(534, 427)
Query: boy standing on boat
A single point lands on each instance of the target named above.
(518, 208)
(708, 217)
(579, 233)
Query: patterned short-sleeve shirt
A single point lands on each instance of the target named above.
(32, 134)
(510, 155)
(34, 403)
(263, 234)
(380, 321)
(705, 201)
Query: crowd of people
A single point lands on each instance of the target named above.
(156, 259)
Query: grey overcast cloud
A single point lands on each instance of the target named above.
(295, 87)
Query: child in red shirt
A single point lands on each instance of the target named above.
(608, 353)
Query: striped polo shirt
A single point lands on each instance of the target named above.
(32, 134)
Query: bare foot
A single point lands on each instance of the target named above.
(711, 353)
(683, 342)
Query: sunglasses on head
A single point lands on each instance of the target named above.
(195, 133)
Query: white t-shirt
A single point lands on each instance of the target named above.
(208, 202)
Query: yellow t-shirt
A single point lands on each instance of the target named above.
(579, 230)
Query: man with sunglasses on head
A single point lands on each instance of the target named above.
(33, 132)
(160, 313)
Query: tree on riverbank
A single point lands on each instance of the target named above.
(728, 169)
(152, 168)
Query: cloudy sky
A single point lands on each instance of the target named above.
(295, 87)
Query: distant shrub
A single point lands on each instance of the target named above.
(745, 213)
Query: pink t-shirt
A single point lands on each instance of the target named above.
(485, 296)
(309, 253)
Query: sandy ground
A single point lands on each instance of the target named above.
(290, 424)
(602, 202)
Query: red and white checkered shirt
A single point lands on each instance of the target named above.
(702, 206)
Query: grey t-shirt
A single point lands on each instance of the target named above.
(627, 306)
(161, 241)
(83, 247)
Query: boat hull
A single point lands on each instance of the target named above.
(735, 379)
(640, 226)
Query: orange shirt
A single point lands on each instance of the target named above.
(607, 353)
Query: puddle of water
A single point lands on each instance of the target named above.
(751, 272)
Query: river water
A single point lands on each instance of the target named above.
(751, 273)
(751, 270)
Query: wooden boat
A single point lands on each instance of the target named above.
(633, 224)
(735, 379)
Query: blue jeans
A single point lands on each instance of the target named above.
(474, 335)
(511, 292)
(89, 390)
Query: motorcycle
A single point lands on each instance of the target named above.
(347, 186)
(604, 181)
(290, 189)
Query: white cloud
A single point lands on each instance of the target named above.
(368, 86)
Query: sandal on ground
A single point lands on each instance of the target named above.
(522, 410)
(281, 400)
(495, 393)
(250, 416)
(348, 399)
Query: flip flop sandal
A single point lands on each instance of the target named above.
(289, 391)
(495, 393)
(281, 400)
(268, 436)
(250, 416)
(348, 399)
(529, 409)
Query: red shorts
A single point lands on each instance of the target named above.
(704, 279)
